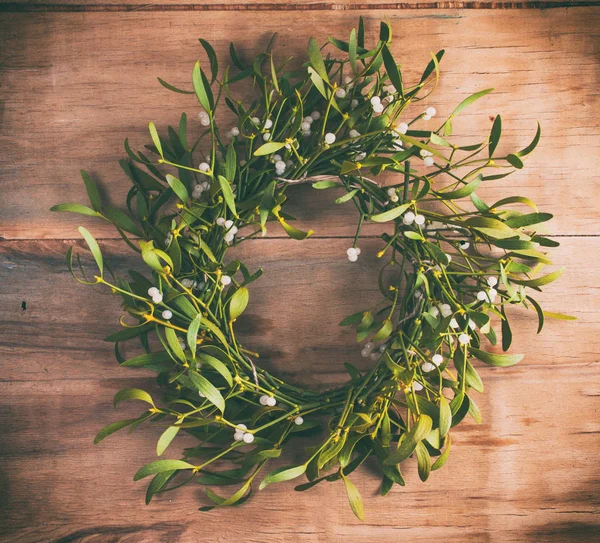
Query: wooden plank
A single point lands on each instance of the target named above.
(292, 321)
(70, 102)
(273, 5)
(526, 474)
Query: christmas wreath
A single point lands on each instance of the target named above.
(452, 265)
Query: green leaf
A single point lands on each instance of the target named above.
(92, 190)
(463, 191)
(515, 200)
(318, 82)
(441, 460)
(491, 227)
(227, 194)
(238, 303)
(423, 462)
(147, 360)
(514, 161)
(75, 208)
(178, 188)
(132, 394)
(192, 333)
(269, 148)
(468, 101)
(445, 416)
(202, 89)
(172, 88)
(390, 214)
(540, 281)
(155, 139)
(320, 185)
(392, 70)
(230, 163)
(354, 498)
(165, 439)
(122, 221)
(294, 232)
(527, 220)
(94, 248)
(493, 359)
(157, 483)
(385, 331)
(533, 144)
(218, 366)
(173, 342)
(417, 433)
(112, 428)
(208, 389)
(346, 197)
(212, 58)
(495, 135)
(266, 202)
(161, 465)
(352, 46)
(316, 60)
(282, 474)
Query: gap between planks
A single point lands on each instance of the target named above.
(25, 7)
(315, 236)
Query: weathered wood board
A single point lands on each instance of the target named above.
(69, 106)
(79, 78)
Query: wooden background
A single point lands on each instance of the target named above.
(77, 78)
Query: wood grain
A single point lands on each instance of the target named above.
(273, 5)
(531, 474)
(292, 320)
(78, 77)
(68, 106)
(528, 473)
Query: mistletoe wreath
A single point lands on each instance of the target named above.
(451, 269)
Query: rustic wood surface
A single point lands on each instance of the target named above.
(76, 78)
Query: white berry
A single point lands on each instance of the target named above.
(492, 281)
(248, 438)
(329, 138)
(402, 128)
(271, 402)
(263, 399)
(445, 310)
(431, 111)
(437, 359)
(340, 93)
(420, 220)
(375, 100)
(153, 291)
(267, 136)
(225, 280)
(315, 115)
(167, 315)
(427, 366)
(204, 167)
(428, 161)
(463, 339)
(221, 221)
(299, 421)
(408, 218)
